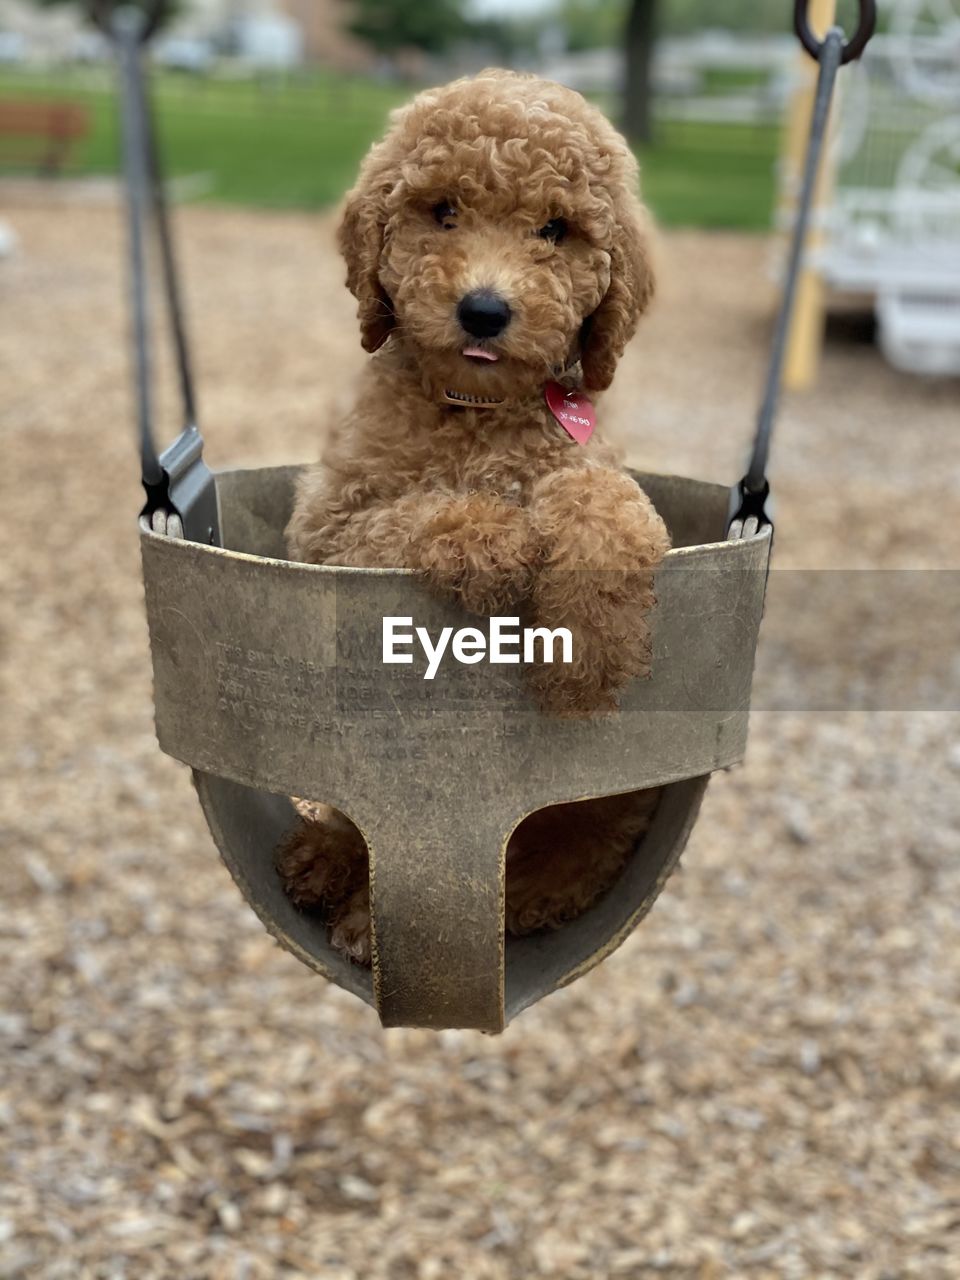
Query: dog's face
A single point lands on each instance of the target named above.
(496, 231)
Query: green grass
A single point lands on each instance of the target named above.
(289, 143)
(732, 79)
(712, 175)
(296, 143)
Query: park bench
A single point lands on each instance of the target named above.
(40, 135)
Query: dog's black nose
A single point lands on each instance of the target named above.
(483, 314)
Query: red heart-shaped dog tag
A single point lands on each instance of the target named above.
(573, 410)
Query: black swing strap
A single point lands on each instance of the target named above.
(176, 481)
(748, 498)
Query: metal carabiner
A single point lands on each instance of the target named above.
(852, 48)
(149, 15)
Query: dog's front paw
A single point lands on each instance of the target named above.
(609, 641)
(573, 691)
(480, 550)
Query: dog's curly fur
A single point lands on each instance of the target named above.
(495, 505)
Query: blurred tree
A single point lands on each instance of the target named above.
(635, 24)
(173, 8)
(391, 25)
(641, 30)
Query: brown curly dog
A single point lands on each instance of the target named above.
(496, 248)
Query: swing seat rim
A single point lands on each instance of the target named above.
(516, 974)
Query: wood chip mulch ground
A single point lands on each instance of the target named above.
(763, 1082)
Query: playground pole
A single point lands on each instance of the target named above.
(805, 338)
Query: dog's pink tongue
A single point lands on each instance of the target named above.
(478, 353)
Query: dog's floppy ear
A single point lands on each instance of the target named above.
(360, 238)
(607, 331)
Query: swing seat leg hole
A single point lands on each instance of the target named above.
(561, 860)
(324, 868)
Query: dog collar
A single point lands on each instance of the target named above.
(573, 409)
(463, 401)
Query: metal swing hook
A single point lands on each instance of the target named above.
(852, 48)
(176, 482)
(748, 512)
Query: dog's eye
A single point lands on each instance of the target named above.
(445, 214)
(554, 230)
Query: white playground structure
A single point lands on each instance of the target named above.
(891, 225)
